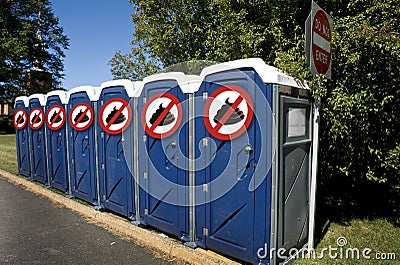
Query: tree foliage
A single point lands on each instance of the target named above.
(132, 66)
(360, 140)
(30, 38)
(170, 32)
(361, 111)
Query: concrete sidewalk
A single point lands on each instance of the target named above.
(37, 230)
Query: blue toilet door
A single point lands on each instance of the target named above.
(22, 137)
(163, 159)
(38, 145)
(234, 219)
(116, 178)
(82, 146)
(56, 140)
(23, 152)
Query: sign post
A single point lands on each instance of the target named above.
(318, 48)
(319, 28)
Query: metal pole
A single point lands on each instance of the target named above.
(96, 147)
(136, 160)
(275, 173)
(30, 154)
(46, 147)
(68, 158)
(314, 169)
(192, 175)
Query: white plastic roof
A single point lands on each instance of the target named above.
(129, 86)
(25, 99)
(41, 97)
(63, 95)
(92, 92)
(192, 84)
(267, 73)
(187, 83)
(137, 88)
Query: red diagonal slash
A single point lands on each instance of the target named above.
(228, 113)
(19, 119)
(52, 121)
(81, 117)
(36, 118)
(162, 115)
(124, 105)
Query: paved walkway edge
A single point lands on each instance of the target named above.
(167, 248)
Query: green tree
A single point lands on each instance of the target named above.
(134, 66)
(361, 111)
(30, 38)
(171, 32)
(360, 140)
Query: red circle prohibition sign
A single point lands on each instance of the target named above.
(115, 116)
(36, 118)
(55, 117)
(219, 127)
(321, 42)
(81, 116)
(20, 119)
(158, 109)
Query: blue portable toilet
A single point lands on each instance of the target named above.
(164, 151)
(57, 144)
(252, 187)
(115, 176)
(37, 142)
(21, 111)
(82, 140)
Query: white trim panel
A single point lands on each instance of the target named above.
(42, 98)
(189, 84)
(268, 74)
(129, 86)
(25, 99)
(63, 95)
(89, 90)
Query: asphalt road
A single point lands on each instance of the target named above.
(35, 231)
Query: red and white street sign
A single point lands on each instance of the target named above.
(55, 118)
(228, 112)
(161, 115)
(81, 116)
(20, 119)
(321, 36)
(115, 116)
(36, 118)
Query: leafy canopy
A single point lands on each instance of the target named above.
(360, 140)
(30, 38)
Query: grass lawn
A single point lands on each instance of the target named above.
(8, 162)
(379, 239)
(8, 153)
(379, 234)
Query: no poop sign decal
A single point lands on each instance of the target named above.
(228, 112)
(161, 115)
(115, 116)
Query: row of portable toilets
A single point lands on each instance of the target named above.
(221, 161)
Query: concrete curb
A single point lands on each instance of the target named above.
(167, 248)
